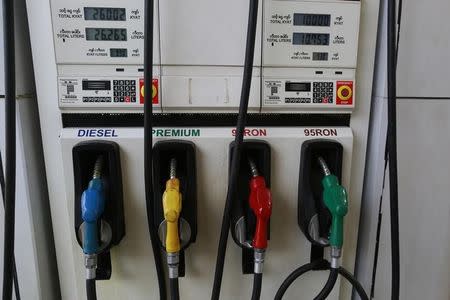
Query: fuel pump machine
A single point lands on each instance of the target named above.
(308, 112)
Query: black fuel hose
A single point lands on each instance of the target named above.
(2, 188)
(91, 290)
(392, 147)
(10, 142)
(355, 283)
(293, 276)
(174, 289)
(313, 266)
(257, 286)
(236, 159)
(329, 285)
(148, 144)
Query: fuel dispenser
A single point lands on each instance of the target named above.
(164, 82)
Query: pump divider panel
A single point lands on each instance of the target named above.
(84, 156)
(185, 154)
(260, 152)
(310, 190)
(100, 120)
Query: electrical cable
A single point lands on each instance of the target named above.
(10, 141)
(235, 161)
(2, 188)
(174, 289)
(257, 286)
(313, 266)
(392, 148)
(399, 26)
(377, 239)
(148, 144)
(386, 159)
(329, 285)
(91, 290)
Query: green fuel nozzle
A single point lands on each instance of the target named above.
(336, 200)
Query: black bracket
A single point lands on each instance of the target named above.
(314, 218)
(113, 220)
(185, 154)
(242, 215)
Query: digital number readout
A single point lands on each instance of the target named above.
(316, 39)
(321, 56)
(104, 14)
(312, 20)
(106, 34)
(118, 52)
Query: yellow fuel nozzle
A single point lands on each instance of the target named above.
(172, 205)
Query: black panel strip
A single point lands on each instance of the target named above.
(203, 120)
(423, 98)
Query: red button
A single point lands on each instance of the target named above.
(127, 99)
(345, 92)
(155, 91)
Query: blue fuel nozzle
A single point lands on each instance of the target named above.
(92, 207)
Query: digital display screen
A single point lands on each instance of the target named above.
(298, 87)
(320, 56)
(104, 14)
(316, 39)
(106, 34)
(312, 20)
(96, 85)
(118, 52)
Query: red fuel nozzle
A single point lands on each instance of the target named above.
(261, 204)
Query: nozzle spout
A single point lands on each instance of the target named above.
(324, 166)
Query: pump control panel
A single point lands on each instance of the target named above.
(308, 88)
(126, 92)
(311, 34)
(319, 93)
(98, 32)
(310, 55)
(305, 58)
